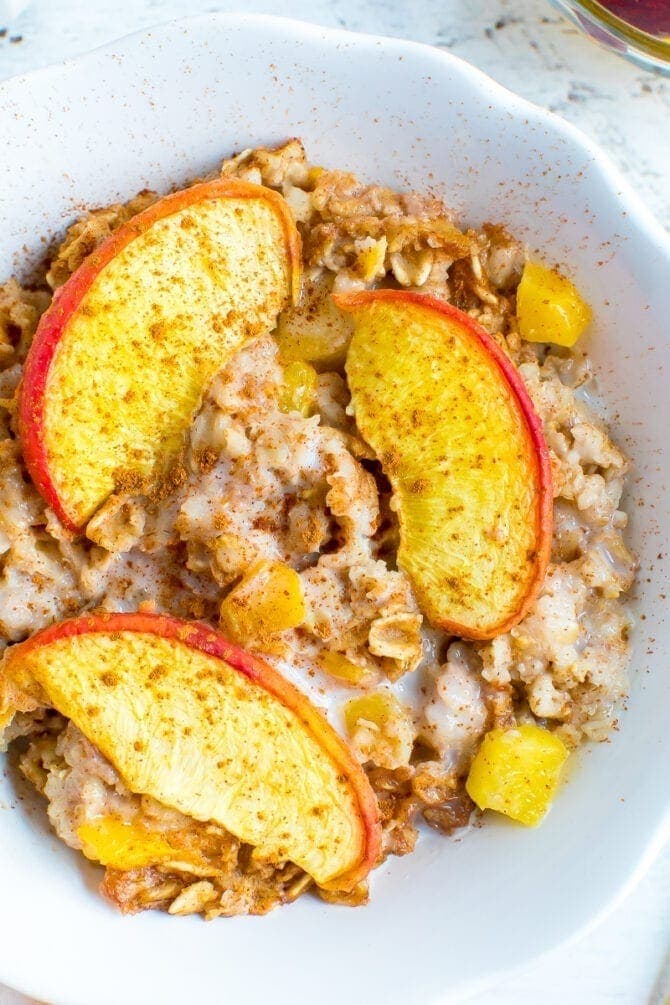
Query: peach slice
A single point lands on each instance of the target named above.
(208, 729)
(122, 356)
(450, 420)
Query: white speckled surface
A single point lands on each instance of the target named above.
(528, 47)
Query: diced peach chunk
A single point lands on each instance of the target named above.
(341, 668)
(121, 844)
(516, 771)
(377, 708)
(314, 331)
(266, 601)
(370, 259)
(549, 308)
(381, 729)
(299, 389)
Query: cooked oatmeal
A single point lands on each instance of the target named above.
(259, 481)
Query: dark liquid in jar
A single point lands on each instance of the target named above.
(652, 16)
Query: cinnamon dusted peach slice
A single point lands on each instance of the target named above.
(207, 729)
(122, 356)
(449, 418)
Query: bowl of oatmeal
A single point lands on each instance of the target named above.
(448, 594)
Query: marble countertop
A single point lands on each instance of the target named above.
(527, 46)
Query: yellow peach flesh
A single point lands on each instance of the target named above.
(267, 600)
(454, 430)
(549, 307)
(158, 321)
(188, 729)
(516, 771)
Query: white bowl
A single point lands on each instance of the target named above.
(154, 109)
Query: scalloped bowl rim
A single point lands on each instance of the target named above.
(323, 42)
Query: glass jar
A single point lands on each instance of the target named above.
(637, 29)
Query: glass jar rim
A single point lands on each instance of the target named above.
(650, 45)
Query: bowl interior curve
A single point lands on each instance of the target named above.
(157, 108)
